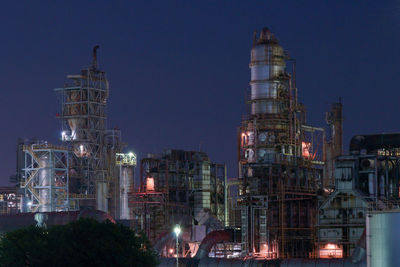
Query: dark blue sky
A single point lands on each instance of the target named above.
(178, 69)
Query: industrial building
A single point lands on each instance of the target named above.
(180, 187)
(297, 199)
(366, 180)
(89, 168)
(10, 200)
(280, 159)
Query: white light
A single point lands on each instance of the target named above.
(177, 230)
(130, 154)
(29, 203)
(73, 135)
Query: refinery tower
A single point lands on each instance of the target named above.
(280, 159)
(89, 169)
(99, 171)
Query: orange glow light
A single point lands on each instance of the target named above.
(305, 147)
(331, 251)
(150, 184)
(331, 246)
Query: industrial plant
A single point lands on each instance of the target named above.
(297, 198)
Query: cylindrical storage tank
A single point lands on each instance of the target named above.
(101, 196)
(126, 182)
(44, 184)
(383, 239)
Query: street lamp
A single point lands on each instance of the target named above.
(177, 231)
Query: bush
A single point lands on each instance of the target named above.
(85, 242)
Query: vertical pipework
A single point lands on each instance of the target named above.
(334, 147)
(102, 196)
(371, 187)
(337, 128)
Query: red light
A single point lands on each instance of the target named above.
(306, 147)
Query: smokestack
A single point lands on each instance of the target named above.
(94, 63)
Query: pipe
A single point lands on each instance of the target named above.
(382, 185)
(371, 187)
(359, 252)
(210, 240)
(202, 259)
(161, 241)
(373, 142)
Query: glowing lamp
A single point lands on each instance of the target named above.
(177, 230)
(150, 184)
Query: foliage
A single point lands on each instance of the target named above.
(85, 242)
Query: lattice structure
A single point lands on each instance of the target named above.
(179, 187)
(84, 129)
(46, 177)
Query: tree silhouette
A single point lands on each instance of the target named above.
(85, 242)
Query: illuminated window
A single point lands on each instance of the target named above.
(150, 184)
(331, 251)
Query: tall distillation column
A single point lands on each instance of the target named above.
(272, 166)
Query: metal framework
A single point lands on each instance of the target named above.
(280, 160)
(177, 187)
(46, 179)
(84, 119)
(367, 182)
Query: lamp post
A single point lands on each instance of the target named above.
(177, 231)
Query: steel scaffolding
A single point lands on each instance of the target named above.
(84, 129)
(46, 178)
(281, 159)
(179, 187)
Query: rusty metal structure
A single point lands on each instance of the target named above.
(366, 180)
(280, 159)
(179, 187)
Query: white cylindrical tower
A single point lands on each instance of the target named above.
(126, 182)
(267, 67)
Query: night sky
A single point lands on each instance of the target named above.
(178, 69)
